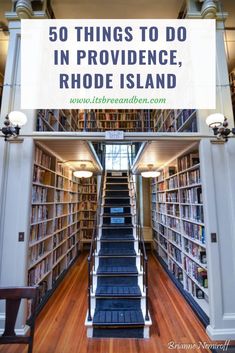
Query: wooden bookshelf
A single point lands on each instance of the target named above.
(95, 120)
(59, 209)
(178, 224)
(57, 120)
(130, 120)
(87, 207)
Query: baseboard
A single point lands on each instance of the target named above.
(220, 334)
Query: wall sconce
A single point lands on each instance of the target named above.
(219, 124)
(82, 173)
(13, 123)
(150, 173)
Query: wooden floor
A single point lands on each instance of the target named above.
(60, 326)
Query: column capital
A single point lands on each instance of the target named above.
(24, 9)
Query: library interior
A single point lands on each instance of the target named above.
(122, 220)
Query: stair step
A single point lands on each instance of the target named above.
(115, 232)
(114, 202)
(116, 186)
(117, 281)
(118, 291)
(118, 318)
(110, 214)
(117, 252)
(117, 180)
(116, 270)
(118, 332)
(118, 238)
(117, 210)
(114, 173)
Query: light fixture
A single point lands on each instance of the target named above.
(83, 173)
(219, 124)
(13, 122)
(150, 173)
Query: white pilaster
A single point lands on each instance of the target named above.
(218, 175)
(209, 9)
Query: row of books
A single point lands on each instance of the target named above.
(37, 251)
(66, 196)
(39, 213)
(171, 196)
(183, 117)
(36, 273)
(194, 290)
(193, 212)
(87, 205)
(195, 250)
(174, 236)
(175, 269)
(193, 195)
(40, 231)
(71, 241)
(58, 252)
(196, 272)
(59, 237)
(39, 194)
(175, 253)
(42, 158)
(194, 231)
(90, 189)
(57, 272)
(190, 178)
(188, 161)
(41, 176)
(66, 184)
(162, 241)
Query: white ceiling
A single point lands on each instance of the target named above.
(161, 152)
(73, 150)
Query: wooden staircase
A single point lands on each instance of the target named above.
(117, 296)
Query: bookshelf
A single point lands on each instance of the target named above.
(87, 208)
(95, 120)
(178, 225)
(61, 204)
(130, 120)
(57, 120)
(175, 120)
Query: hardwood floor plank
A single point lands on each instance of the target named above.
(60, 326)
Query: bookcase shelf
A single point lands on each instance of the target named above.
(178, 224)
(129, 120)
(61, 203)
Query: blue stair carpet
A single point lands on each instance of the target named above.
(118, 296)
(118, 291)
(118, 317)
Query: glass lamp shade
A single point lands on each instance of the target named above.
(17, 118)
(150, 174)
(82, 174)
(215, 120)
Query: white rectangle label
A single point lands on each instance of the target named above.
(124, 64)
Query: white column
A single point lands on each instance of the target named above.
(208, 9)
(218, 175)
(15, 169)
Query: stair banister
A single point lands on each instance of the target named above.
(93, 247)
(141, 245)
